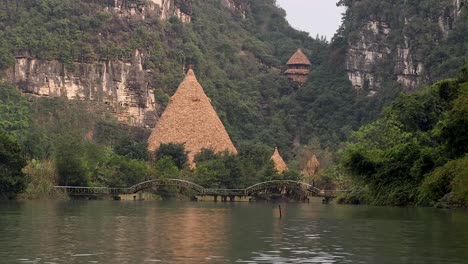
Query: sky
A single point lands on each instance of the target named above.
(321, 17)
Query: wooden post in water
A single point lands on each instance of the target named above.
(279, 208)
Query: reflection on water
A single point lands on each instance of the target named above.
(172, 232)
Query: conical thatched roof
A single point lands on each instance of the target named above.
(280, 165)
(190, 119)
(312, 166)
(299, 58)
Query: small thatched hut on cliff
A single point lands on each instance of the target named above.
(298, 67)
(280, 165)
(190, 119)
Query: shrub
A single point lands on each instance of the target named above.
(165, 168)
(11, 164)
(176, 152)
(121, 171)
(450, 178)
(41, 177)
(70, 162)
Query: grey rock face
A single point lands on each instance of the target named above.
(373, 48)
(163, 9)
(121, 84)
(124, 85)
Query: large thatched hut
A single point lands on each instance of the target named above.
(190, 119)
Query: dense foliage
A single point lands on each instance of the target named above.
(417, 25)
(12, 162)
(15, 114)
(40, 179)
(250, 166)
(416, 152)
(175, 152)
(240, 62)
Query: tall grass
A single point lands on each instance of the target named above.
(41, 177)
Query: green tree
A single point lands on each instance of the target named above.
(120, 171)
(165, 168)
(394, 157)
(256, 163)
(12, 162)
(176, 152)
(454, 127)
(232, 178)
(291, 175)
(452, 178)
(15, 113)
(132, 149)
(205, 155)
(209, 173)
(70, 163)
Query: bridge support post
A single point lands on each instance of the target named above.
(231, 198)
(326, 200)
(216, 198)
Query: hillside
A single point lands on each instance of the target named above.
(416, 152)
(410, 43)
(84, 65)
(120, 54)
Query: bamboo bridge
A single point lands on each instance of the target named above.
(201, 193)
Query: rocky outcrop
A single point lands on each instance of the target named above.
(372, 47)
(238, 6)
(163, 9)
(366, 53)
(124, 85)
(408, 71)
(450, 16)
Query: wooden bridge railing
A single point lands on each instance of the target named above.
(167, 182)
(92, 190)
(199, 190)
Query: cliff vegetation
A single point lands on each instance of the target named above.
(108, 55)
(416, 152)
(410, 43)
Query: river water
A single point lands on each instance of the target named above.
(190, 232)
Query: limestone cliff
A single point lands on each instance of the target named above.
(163, 9)
(124, 83)
(239, 6)
(394, 39)
(121, 84)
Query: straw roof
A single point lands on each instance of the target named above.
(190, 119)
(312, 166)
(299, 58)
(280, 165)
(297, 71)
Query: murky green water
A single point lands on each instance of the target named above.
(178, 232)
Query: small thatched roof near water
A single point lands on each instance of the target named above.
(299, 58)
(312, 166)
(190, 119)
(280, 165)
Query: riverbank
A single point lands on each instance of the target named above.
(359, 196)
